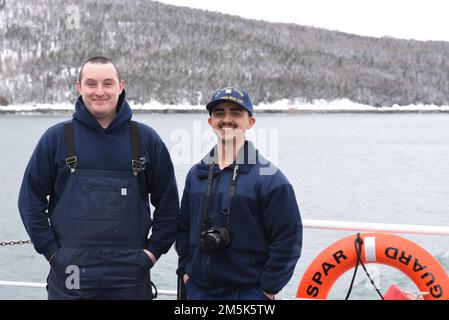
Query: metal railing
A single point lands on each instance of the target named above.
(375, 227)
(42, 285)
(310, 224)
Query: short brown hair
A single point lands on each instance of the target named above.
(98, 60)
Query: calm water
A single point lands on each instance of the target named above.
(390, 168)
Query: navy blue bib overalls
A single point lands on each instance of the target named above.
(101, 225)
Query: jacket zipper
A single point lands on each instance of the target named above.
(209, 254)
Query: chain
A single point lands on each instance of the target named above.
(14, 242)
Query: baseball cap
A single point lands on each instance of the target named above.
(233, 95)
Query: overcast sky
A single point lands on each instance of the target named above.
(409, 19)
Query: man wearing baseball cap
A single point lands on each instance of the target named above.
(240, 230)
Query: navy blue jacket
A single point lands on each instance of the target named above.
(266, 228)
(98, 149)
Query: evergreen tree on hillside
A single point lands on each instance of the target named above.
(177, 55)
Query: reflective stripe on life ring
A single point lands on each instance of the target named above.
(418, 264)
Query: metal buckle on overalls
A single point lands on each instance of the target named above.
(137, 166)
(226, 212)
(71, 162)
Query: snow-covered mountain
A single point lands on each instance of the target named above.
(179, 56)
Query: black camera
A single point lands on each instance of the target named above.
(214, 238)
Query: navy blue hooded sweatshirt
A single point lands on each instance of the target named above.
(98, 149)
(265, 228)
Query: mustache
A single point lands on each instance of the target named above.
(227, 123)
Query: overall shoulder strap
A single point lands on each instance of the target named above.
(136, 163)
(69, 140)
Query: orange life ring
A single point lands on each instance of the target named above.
(418, 264)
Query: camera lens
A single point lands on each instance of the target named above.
(214, 238)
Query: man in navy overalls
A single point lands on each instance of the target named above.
(84, 198)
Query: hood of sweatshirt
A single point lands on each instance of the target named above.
(83, 115)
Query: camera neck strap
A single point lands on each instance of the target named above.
(226, 211)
